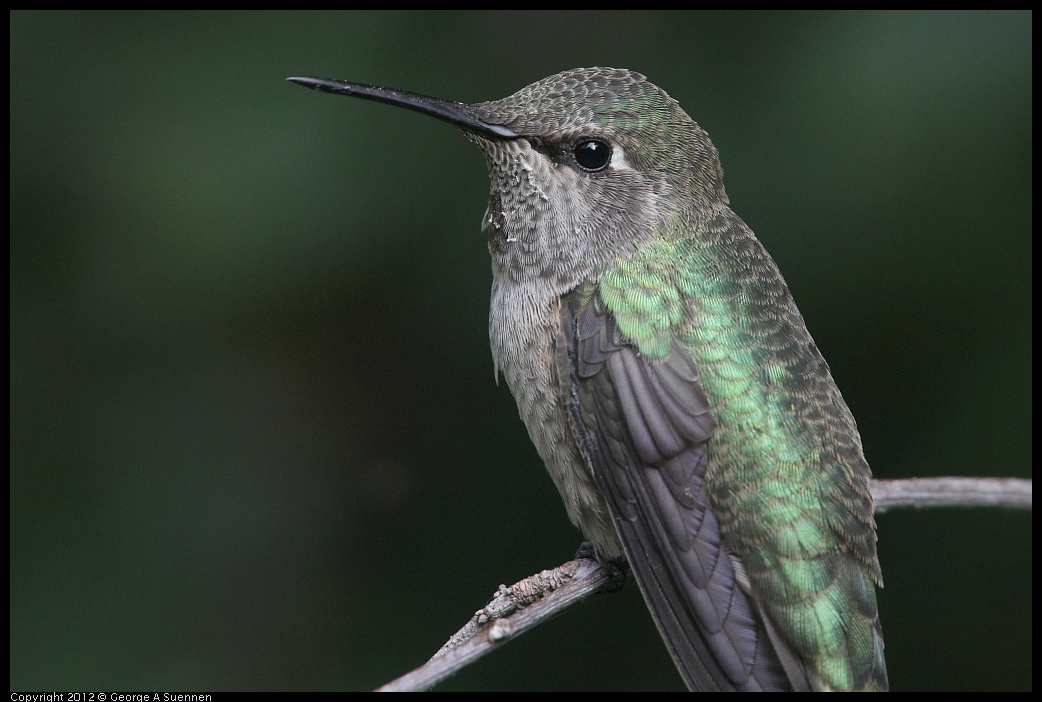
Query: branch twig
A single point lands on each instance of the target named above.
(1011, 493)
(513, 611)
(529, 602)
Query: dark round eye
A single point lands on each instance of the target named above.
(592, 154)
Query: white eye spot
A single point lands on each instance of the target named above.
(619, 162)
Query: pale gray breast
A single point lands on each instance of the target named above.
(523, 326)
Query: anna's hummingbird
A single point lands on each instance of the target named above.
(669, 382)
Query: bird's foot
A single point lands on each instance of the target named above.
(616, 568)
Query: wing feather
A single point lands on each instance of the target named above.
(643, 423)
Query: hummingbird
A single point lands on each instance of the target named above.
(669, 383)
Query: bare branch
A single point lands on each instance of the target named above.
(1011, 493)
(513, 611)
(529, 602)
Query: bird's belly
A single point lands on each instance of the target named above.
(524, 324)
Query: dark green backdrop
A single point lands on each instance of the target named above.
(255, 438)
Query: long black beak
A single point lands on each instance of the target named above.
(455, 112)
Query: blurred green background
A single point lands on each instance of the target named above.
(255, 438)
